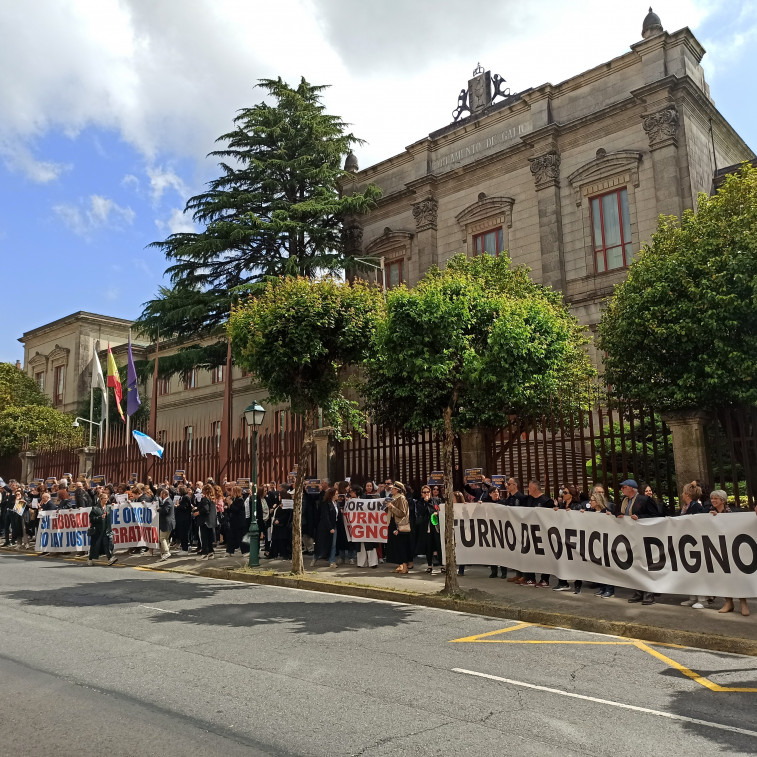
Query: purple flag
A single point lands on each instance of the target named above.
(132, 395)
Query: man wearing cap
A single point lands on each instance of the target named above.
(636, 506)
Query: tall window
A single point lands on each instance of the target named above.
(216, 375)
(58, 384)
(40, 380)
(393, 273)
(190, 382)
(490, 242)
(611, 229)
(215, 432)
(161, 439)
(164, 386)
(188, 433)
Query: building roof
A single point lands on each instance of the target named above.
(81, 315)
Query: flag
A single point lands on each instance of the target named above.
(114, 380)
(147, 446)
(98, 382)
(132, 395)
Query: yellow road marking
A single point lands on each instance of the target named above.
(706, 682)
(480, 636)
(484, 638)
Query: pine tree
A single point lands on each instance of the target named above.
(275, 210)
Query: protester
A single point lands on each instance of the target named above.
(427, 512)
(183, 515)
(205, 513)
(235, 521)
(325, 539)
(537, 498)
(494, 497)
(399, 510)
(570, 499)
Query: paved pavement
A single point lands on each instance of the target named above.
(174, 663)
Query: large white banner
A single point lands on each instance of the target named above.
(134, 525)
(694, 554)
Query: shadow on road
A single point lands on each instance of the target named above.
(218, 604)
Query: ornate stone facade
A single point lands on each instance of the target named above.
(546, 169)
(425, 213)
(661, 126)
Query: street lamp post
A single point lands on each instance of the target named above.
(91, 423)
(254, 415)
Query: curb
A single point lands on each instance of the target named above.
(639, 631)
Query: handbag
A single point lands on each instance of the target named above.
(404, 528)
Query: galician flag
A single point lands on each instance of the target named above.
(114, 380)
(98, 381)
(147, 445)
(132, 395)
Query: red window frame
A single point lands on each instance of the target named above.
(59, 384)
(216, 375)
(188, 434)
(39, 378)
(603, 248)
(164, 386)
(391, 266)
(478, 241)
(190, 382)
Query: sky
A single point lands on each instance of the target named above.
(108, 108)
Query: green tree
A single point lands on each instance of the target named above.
(276, 209)
(681, 331)
(300, 338)
(25, 412)
(18, 388)
(44, 426)
(471, 345)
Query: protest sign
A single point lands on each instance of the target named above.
(122, 499)
(133, 525)
(499, 480)
(292, 476)
(313, 486)
(179, 476)
(20, 507)
(50, 481)
(97, 481)
(474, 476)
(366, 520)
(243, 482)
(695, 554)
(287, 504)
(436, 478)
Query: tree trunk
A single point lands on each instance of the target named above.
(298, 565)
(451, 585)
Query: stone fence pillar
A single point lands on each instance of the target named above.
(325, 454)
(690, 452)
(27, 465)
(473, 448)
(86, 460)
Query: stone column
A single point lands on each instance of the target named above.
(661, 127)
(425, 213)
(690, 454)
(86, 460)
(325, 454)
(27, 465)
(473, 449)
(545, 169)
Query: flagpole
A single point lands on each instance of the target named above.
(128, 417)
(91, 407)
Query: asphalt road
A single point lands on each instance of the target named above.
(117, 661)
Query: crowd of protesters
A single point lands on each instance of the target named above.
(198, 518)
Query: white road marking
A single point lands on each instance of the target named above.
(160, 609)
(659, 713)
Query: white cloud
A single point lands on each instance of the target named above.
(130, 181)
(169, 77)
(176, 223)
(112, 294)
(101, 212)
(162, 179)
(18, 157)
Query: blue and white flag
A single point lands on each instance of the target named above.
(147, 446)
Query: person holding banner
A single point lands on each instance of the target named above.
(183, 514)
(719, 504)
(20, 518)
(399, 510)
(205, 515)
(427, 513)
(166, 522)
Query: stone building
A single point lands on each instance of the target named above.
(569, 178)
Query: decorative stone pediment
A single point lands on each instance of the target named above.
(498, 209)
(390, 243)
(59, 354)
(661, 127)
(546, 169)
(607, 170)
(425, 212)
(352, 237)
(38, 362)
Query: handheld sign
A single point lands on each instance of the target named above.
(499, 480)
(292, 476)
(436, 478)
(178, 476)
(132, 479)
(81, 477)
(50, 481)
(474, 476)
(69, 476)
(243, 482)
(97, 481)
(313, 486)
(287, 504)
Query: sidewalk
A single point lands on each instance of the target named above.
(664, 622)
